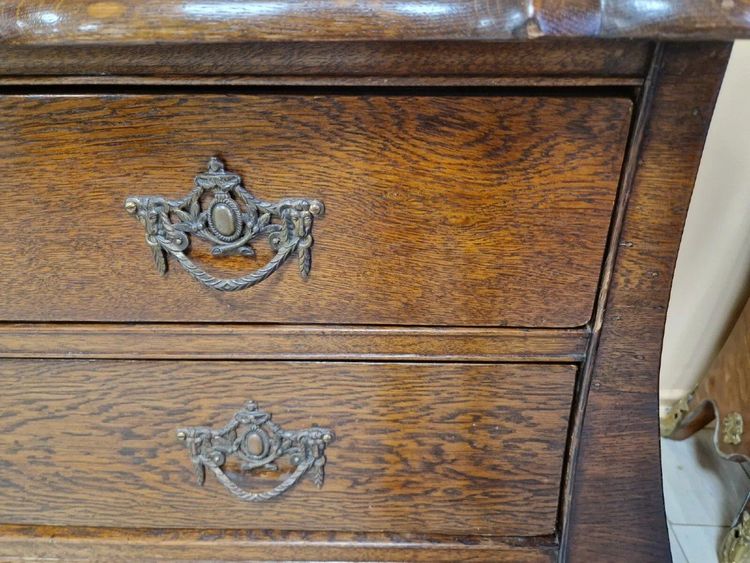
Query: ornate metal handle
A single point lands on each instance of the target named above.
(257, 442)
(230, 220)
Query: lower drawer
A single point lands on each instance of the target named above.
(470, 449)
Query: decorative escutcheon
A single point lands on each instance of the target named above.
(229, 219)
(257, 443)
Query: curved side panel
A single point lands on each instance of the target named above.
(616, 503)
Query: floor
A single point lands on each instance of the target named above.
(702, 493)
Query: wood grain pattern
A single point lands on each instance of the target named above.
(58, 152)
(643, 113)
(253, 342)
(45, 22)
(63, 83)
(444, 210)
(392, 59)
(438, 448)
(617, 511)
(49, 542)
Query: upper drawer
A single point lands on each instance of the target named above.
(440, 210)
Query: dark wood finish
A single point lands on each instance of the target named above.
(617, 508)
(317, 81)
(45, 22)
(91, 443)
(404, 60)
(231, 545)
(643, 113)
(723, 390)
(253, 342)
(420, 448)
(445, 210)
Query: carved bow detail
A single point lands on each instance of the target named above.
(257, 442)
(230, 221)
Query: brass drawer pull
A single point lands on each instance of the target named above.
(257, 442)
(230, 221)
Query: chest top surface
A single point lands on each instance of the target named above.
(45, 22)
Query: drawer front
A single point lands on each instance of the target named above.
(439, 210)
(439, 448)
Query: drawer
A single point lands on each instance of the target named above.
(468, 449)
(481, 210)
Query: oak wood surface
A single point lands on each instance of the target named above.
(617, 506)
(245, 342)
(46, 22)
(50, 542)
(420, 448)
(392, 59)
(444, 210)
(583, 385)
(614, 497)
(66, 83)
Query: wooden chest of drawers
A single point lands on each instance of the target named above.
(339, 282)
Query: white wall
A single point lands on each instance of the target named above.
(712, 278)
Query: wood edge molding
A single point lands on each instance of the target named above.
(630, 165)
(49, 22)
(616, 505)
(400, 60)
(368, 81)
(96, 543)
(300, 342)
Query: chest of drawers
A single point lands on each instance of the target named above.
(335, 281)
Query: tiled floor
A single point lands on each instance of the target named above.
(702, 493)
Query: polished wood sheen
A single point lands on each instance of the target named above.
(54, 542)
(420, 448)
(212, 341)
(44, 22)
(620, 432)
(445, 210)
(503, 216)
(310, 62)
